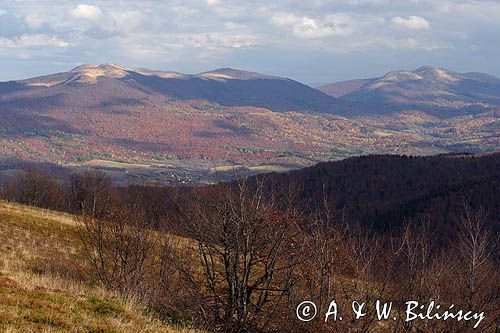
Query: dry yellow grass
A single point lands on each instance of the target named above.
(114, 164)
(260, 168)
(32, 212)
(42, 286)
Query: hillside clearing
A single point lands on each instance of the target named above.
(43, 284)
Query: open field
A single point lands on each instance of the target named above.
(44, 284)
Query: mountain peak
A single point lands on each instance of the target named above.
(106, 66)
(89, 73)
(232, 73)
(425, 73)
(227, 87)
(425, 69)
(392, 78)
(436, 91)
(436, 73)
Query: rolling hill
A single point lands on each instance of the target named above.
(385, 191)
(436, 91)
(342, 88)
(109, 83)
(189, 127)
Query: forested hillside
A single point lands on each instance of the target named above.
(240, 256)
(385, 190)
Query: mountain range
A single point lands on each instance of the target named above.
(227, 87)
(228, 119)
(436, 91)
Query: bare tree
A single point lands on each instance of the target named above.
(90, 191)
(3, 194)
(466, 274)
(248, 251)
(476, 249)
(36, 187)
(364, 254)
(119, 248)
(414, 252)
(324, 250)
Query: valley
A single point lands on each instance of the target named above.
(178, 128)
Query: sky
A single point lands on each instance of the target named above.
(314, 41)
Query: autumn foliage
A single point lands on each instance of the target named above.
(240, 256)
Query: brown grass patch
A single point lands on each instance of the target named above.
(44, 286)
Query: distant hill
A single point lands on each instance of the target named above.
(384, 190)
(436, 91)
(228, 119)
(109, 83)
(339, 89)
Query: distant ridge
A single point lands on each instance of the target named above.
(224, 86)
(237, 74)
(384, 190)
(438, 91)
(339, 89)
(229, 117)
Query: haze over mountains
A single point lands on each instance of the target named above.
(224, 119)
(436, 91)
(225, 86)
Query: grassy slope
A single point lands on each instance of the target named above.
(41, 274)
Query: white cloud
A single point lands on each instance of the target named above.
(212, 2)
(411, 22)
(200, 47)
(87, 12)
(184, 10)
(123, 21)
(216, 40)
(306, 27)
(284, 19)
(170, 33)
(233, 26)
(26, 40)
(413, 44)
(227, 10)
(34, 20)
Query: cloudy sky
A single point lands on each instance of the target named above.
(314, 41)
